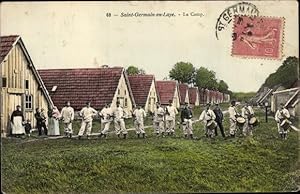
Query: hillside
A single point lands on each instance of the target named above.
(285, 75)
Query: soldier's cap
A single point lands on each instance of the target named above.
(18, 106)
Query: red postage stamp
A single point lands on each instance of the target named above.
(257, 37)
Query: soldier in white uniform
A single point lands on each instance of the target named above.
(119, 115)
(232, 119)
(158, 120)
(106, 116)
(139, 114)
(247, 113)
(280, 116)
(87, 113)
(170, 114)
(67, 116)
(207, 116)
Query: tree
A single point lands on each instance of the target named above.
(183, 72)
(222, 86)
(285, 75)
(132, 70)
(205, 78)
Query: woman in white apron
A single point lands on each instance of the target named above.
(17, 121)
(54, 122)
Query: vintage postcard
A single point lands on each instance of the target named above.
(153, 96)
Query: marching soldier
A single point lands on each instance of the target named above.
(232, 119)
(281, 116)
(219, 119)
(186, 120)
(247, 113)
(158, 120)
(106, 115)
(139, 114)
(170, 118)
(119, 115)
(67, 116)
(208, 117)
(87, 113)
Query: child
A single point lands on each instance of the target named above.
(28, 128)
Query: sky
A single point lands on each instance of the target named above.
(79, 34)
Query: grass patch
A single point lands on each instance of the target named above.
(260, 164)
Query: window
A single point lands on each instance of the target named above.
(53, 88)
(125, 102)
(118, 91)
(125, 92)
(26, 84)
(28, 102)
(4, 82)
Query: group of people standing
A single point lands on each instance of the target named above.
(164, 120)
(20, 127)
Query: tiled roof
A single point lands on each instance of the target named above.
(6, 44)
(78, 86)
(140, 87)
(183, 89)
(193, 95)
(166, 90)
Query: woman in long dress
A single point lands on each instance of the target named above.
(17, 120)
(54, 122)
